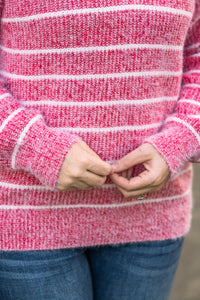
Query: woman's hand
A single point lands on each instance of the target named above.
(82, 169)
(152, 179)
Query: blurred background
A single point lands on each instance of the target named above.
(187, 281)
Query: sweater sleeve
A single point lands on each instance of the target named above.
(179, 139)
(27, 143)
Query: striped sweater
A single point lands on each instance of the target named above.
(116, 74)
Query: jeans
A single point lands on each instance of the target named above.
(140, 271)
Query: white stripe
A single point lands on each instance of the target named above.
(114, 205)
(99, 10)
(10, 117)
(185, 124)
(92, 48)
(195, 85)
(193, 71)
(90, 76)
(194, 55)
(4, 96)
(24, 187)
(109, 129)
(192, 46)
(21, 137)
(98, 103)
(195, 21)
(38, 187)
(194, 116)
(193, 102)
(181, 173)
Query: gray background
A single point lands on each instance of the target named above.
(187, 281)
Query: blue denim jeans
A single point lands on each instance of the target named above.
(140, 271)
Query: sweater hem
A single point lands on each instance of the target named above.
(75, 228)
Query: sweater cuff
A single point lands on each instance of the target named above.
(43, 151)
(176, 144)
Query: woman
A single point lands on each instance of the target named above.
(99, 124)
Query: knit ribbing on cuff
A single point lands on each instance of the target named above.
(42, 152)
(176, 144)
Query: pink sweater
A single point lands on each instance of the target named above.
(114, 73)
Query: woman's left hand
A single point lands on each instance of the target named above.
(152, 179)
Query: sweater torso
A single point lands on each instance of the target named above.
(106, 71)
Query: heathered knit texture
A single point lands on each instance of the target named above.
(116, 74)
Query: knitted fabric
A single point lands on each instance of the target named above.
(116, 74)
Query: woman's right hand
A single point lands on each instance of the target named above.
(82, 169)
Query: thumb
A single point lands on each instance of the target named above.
(138, 156)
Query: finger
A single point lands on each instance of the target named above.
(143, 180)
(130, 173)
(92, 179)
(138, 156)
(127, 174)
(124, 174)
(99, 167)
(129, 194)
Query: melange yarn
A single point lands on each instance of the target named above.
(116, 74)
